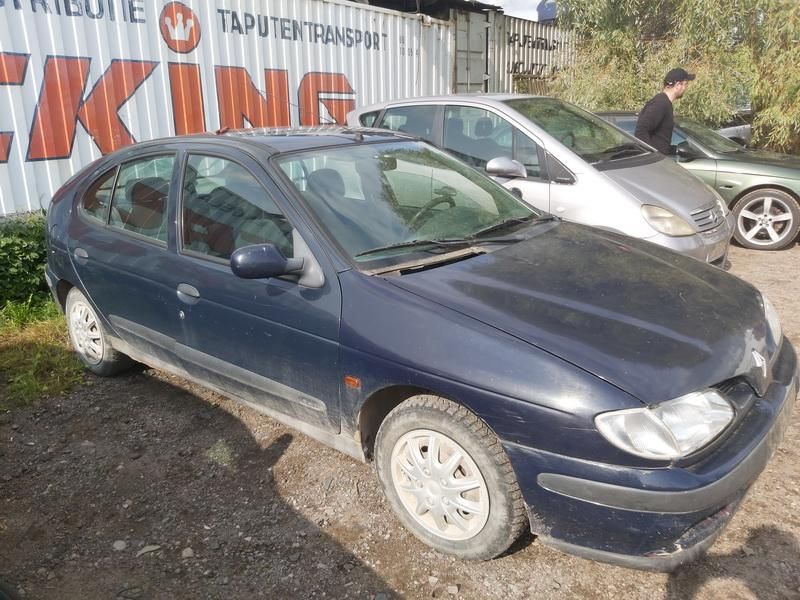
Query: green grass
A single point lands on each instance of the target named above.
(35, 355)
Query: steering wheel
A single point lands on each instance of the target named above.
(423, 212)
(571, 136)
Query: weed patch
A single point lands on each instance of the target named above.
(35, 355)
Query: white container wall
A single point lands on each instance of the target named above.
(80, 78)
(528, 49)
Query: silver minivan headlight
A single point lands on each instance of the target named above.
(669, 430)
(665, 221)
(773, 321)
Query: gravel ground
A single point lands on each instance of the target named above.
(146, 486)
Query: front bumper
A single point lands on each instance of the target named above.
(660, 518)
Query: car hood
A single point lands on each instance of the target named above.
(651, 322)
(763, 162)
(665, 184)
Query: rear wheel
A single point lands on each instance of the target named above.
(448, 478)
(766, 219)
(89, 337)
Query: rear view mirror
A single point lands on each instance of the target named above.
(505, 167)
(261, 261)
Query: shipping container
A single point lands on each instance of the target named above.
(80, 78)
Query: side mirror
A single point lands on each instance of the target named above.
(261, 261)
(684, 151)
(507, 168)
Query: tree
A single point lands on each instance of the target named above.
(743, 52)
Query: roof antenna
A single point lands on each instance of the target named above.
(222, 130)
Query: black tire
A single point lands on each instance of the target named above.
(507, 518)
(758, 228)
(90, 339)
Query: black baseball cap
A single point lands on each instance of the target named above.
(676, 75)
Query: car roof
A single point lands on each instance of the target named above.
(477, 97)
(279, 140)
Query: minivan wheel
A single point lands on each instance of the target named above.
(448, 478)
(89, 337)
(766, 219)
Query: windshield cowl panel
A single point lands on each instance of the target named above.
(381, 202)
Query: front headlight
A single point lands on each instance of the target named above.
(668, 430)
(773, 322)
(665, 221)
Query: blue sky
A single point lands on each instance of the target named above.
(525, 9)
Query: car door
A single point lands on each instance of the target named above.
(122, 249)
(271, 342)
(477, 135)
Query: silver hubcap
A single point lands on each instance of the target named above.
(765, 221)
(440, 485)
(85, 332)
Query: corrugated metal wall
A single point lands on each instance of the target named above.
(528, 49)
(79, 78)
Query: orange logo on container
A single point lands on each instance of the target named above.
(180, 27)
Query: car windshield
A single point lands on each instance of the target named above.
(587, 135)
(708, 138)
(384, 201)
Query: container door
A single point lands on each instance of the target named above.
(471, 59)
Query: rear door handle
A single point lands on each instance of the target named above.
(188, 293)
(81, 256)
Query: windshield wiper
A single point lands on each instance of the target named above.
(512, 221)
(622, 151)
(443, 243)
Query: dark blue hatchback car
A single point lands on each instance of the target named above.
(502, 368)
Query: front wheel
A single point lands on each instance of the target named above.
(766, 219)
(89, 337)
(448, 478)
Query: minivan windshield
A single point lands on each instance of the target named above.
(587, 135)
(708, 138)
(384, 201)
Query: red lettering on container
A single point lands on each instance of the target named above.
(13, 67)
(314, 84)
(61, 105)
(188, 112)
(240, 100)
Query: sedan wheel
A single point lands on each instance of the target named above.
(89, 338)
(448, 478)
(766, 219)
(439, 484)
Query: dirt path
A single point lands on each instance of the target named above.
(146, 486)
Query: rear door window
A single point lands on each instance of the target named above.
(414, 120)
(139, 204)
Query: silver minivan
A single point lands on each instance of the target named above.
(571, 163)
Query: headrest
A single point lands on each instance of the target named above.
(454, 126)
(483, 127)
(326, 182)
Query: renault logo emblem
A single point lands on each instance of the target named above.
(761, 363)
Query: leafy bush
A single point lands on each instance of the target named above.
(743, 52)
(22, 258)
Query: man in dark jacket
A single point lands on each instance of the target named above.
(655, 119)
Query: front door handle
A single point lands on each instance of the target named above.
(188, 293)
